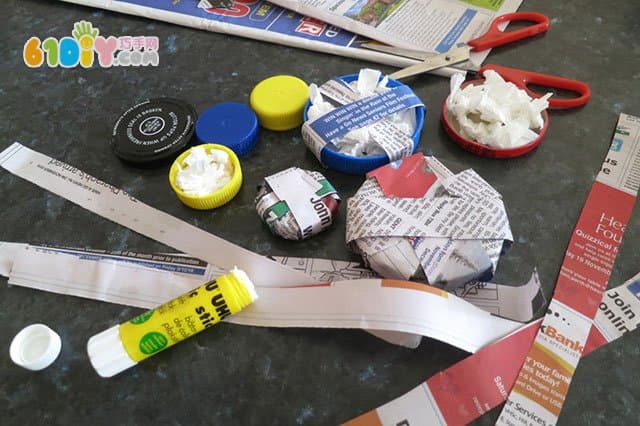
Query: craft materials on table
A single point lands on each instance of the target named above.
(206, 176)
(123, 346)
(297, 204)
(467, 390)
(415, 219)
(377, 120)
(102, 275)
(115, 204)
(426, 308)
(543, 355)
(520, 79)
(495, 113)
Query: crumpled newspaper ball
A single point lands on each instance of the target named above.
(278, 208)
(416, 220)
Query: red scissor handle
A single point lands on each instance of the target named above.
(522, 78)
(496, 37)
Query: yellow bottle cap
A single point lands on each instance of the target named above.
(217, 198)
(279, 102)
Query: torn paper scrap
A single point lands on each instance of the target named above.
(468, 389)
(366, 117)
(495, 113)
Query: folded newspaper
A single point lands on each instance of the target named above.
(415, 219)
(265, 21)
(430, 26)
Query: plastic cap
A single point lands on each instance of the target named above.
(107, 354)
(153, 131)
(217, 198)
(345, 163)
(231, 124)
(452, 128)
(279, 102)
(35, 347)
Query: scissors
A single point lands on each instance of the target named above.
(459, 57)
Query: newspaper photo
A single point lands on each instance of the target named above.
(258, 20)
(427, 25)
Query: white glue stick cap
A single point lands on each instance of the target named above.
(35, 347)
(107, 353)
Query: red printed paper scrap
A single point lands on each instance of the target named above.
(543, 382)
(405, 178)
(482, 381)
(534, 365)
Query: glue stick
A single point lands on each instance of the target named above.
(123, 346)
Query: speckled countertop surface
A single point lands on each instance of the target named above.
(257, 376)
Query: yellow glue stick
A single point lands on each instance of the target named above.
(123, 346)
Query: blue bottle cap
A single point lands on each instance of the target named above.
(331, 157)
(231, 124)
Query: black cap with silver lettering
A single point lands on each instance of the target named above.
(154, 130)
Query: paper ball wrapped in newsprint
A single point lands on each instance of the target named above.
(415, 219)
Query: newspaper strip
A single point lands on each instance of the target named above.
(453, 234)
(431, 26)
(115, 204)
(543, 382)
(467, 390)
(259, 20)
(358, 113)
(181, 272)
(377, 304)
(302, 193)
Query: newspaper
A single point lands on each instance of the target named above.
(117, 205)
(376, 304)
(258, 20)
(295, 203)
(544, 379)
(452, 234)
(426, 25)
(467, 390)
(182, 272)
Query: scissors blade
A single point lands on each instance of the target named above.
(454, 56)
(416, 54)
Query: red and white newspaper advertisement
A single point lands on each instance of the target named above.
(543, 381)
(533, 366)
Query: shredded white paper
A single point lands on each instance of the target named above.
(205, 173)
(496, 113)
(360, 142)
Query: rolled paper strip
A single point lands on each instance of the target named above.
(297, 204)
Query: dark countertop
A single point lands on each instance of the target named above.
(247, 375)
